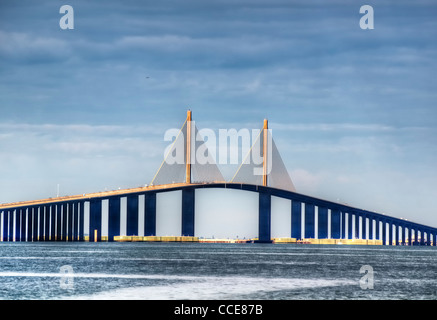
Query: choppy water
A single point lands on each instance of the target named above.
(214, 271)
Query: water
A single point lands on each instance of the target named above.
(214, 271)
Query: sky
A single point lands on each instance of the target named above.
(353, 112)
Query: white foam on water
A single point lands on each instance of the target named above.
(94, 275)
(87, 257)
(197, 288)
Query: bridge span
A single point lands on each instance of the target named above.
(63, 218)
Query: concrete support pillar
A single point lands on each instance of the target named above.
(6, 225)
(64, 213)
(336, 224)
(427, 238)
(52, 222)
(357, 225)
(363, 226)
(113, 218)
(264, 222)
(188, 205)
(390, 233)
(371, 237)
(58, 231)
(150, 214)
(322, 223)
(30, 213)
(132, 215)
(343, 225)
(404, 238)
(309, 220)
(384, 232)
(37, 224)
(53, 214)
(45, 224)
(95, 220)
(349, 226)
(81, 224)
(69, 235)
(377, 230)
(17, 230)
(75, 234)
(296, 219)
(23, 224)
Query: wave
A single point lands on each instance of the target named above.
(198, 288)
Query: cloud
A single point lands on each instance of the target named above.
(82, 157)
(28, 48)
(372, 127)
(305, 181)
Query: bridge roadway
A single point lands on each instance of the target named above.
(62, 218)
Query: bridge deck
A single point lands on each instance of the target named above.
(231, 185)
(87, 196)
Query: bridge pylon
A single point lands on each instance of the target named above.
(265, 151)
(180, 164)
(188, 149)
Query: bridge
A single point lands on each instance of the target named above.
(63, 218)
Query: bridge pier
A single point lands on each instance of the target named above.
(403, 235)
(64, 212)
(75, 233)
(309, 220)
(357, 225)
(370, 228)
(336, 224)
(22, 227)
(95, 220)
(29, 231)
(384, 232)
(322, 223)
(264, 217)
(150, 214)
(81, 223)
(363, 226)
(43, 226)
(343, 224)
(349, 226)
(5, 224)
(188, 205)
(17, 219)
(390, 233)
(69, 218)
(132, 215)
(296, 219)
(37, 224)
(113, 217)
(52, 222)
(57, 213)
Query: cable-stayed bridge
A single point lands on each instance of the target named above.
(189, 166)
